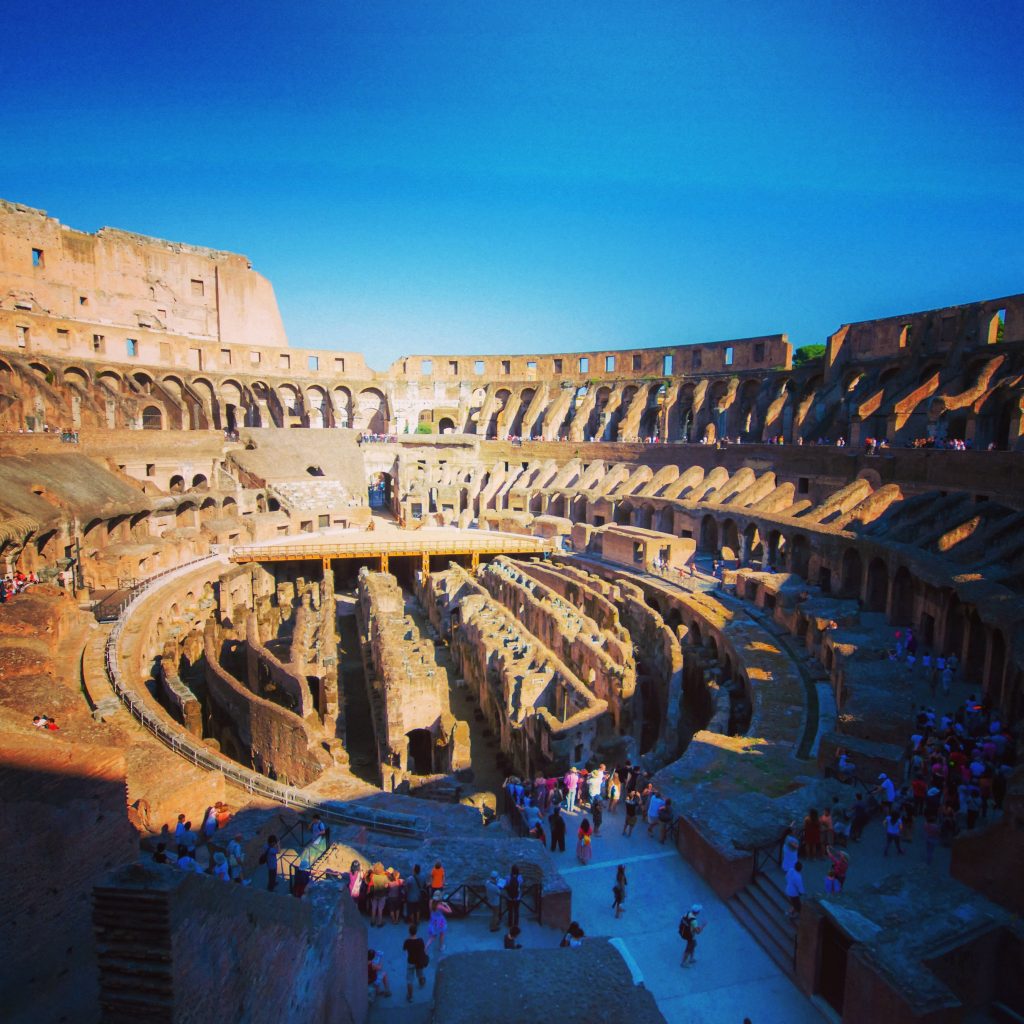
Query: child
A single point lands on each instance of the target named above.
(832, 886)
(437, 926)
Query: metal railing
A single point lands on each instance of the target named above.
(184, 745)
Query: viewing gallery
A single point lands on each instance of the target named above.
(271, 590)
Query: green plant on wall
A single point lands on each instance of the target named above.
(423, 428)
(806, 353)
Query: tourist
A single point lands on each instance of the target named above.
(437, 879)
(795, 888)
(236, 858)
(812, 835)
(790, 852)
(654, 804)
(614, 791)
(379, 885)
(492, 890)
(572, 781)
(318, 830)
(666, 818)
(597, 811)
(220, 867)
(689, 929)
(825, 823)
(510, 938)
(832, 886)
(223, 814)
(584, 838)
(573, 937)
(437, 926)
(557, 823)
(893, 823)
(396, 892)
(632, 812)
(160, 857)
(619, 890)
(513, 893)
(416, 960)
(840, 864)
(885, 789)
(182, 830)
(355, 880)
(415, 891)
(594, 783)
(187, 860)
(376, 976)
(269, 857)
(209, 825)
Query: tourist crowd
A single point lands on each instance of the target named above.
(371, 438)
(538, 806)
(16, 583)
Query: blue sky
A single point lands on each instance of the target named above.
(487, 177)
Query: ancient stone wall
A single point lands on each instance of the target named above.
(254, 955)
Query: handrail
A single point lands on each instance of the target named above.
(182, 743)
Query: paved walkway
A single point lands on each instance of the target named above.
(734, 978)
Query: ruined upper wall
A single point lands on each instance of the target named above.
(931, 332)
(767, 352)
(122, 279)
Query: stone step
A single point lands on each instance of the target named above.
(770, 933)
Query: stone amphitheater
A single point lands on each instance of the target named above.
(278, 580)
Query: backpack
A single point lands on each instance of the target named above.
(512, 888)
(686, 928)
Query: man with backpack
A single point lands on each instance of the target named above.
(514, 895)
(689, 929)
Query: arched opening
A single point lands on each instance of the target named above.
(650, 727)
(996, 666)
(420, 752)
(730, 541)
(902, 613)
(152, 418)
(371, 412)
(753, 548)
(177, 484)
(199, 482)
(955, 628)
(878, 586)
(446, 425)
(343, 406)
(379, 490)
(977, 643)
(709, 535)
(853, 571)
(800, 556)
(996, 327)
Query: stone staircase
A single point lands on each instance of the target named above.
(761, 908)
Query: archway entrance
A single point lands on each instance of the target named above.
(446, 425)
(421, 752)
(379, 490)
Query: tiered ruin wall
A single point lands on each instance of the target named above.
(119, 330)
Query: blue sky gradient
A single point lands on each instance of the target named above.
(488, 177)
